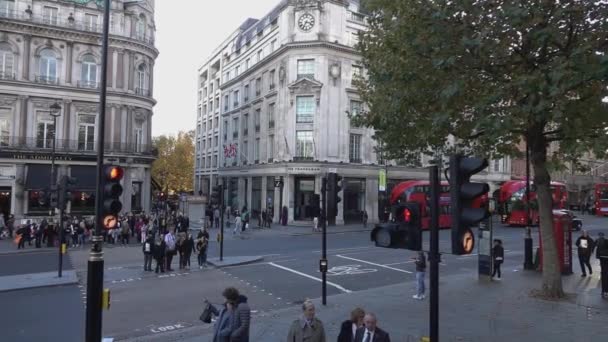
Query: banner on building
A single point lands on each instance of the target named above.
(382, 180)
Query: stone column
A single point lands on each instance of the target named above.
(117, 120)
(131, 71)
(110, 69)
(289, 196)
(24, 103)
(26, 56)
(264, 191)
(129, 127)
(241, 193)
(133, 25)
(127, 185)
(371, 200)
(68, 62)
(19, 193)
(148, 124)
(277, 204)
(147, 190)
(151, 80)
(249, 193)
(108, 123)
(120, 70)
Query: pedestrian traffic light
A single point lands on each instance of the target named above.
(404, 232)
(334, 187)
(216, 195)
(63, 191)
(112, 175)
(462, 194)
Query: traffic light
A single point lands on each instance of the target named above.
(404, 232)
(53, 197)
(216, 195)
(462, 194)
(112, 190)
(334, 187)
(63, 191)
(315, 203)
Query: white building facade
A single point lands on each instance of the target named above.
(50, 54)
(284, 85)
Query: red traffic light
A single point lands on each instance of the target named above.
(407, 215)
(114, 173)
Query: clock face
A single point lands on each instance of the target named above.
(306, 22)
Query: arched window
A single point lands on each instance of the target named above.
(48, 66)
(141, 27)
(88, 78)
(142, 80)
(7, 60)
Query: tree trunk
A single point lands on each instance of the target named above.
(552, 279)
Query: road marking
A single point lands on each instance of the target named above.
(309, 277)
(345, 249)
(374, 264)
(349, 270)
(402, 262)
(168, 328)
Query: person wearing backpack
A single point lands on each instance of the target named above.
(147, 247)
(159, 251)
(202, 241)
(170, 242)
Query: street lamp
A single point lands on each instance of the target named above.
(54, 111)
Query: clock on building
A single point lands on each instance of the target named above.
(306, 22)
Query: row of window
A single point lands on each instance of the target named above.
(49, 69)
(250, 61)
(90, 22)
(46, 132)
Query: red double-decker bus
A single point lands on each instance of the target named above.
(418, 191)
(601, 199)
(512, 201)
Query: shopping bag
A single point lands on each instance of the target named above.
(205, 317)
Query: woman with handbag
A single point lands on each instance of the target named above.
(224, 326)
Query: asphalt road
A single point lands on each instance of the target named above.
(145, 303)
(42, 314)
(31, 262)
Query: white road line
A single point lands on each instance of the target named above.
(345, 249)
(399, 263)
(309, 277)
(374, 264)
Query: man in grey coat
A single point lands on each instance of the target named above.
(308, 328)
(242, 318)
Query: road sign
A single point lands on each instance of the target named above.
(278, 183)
(332, 170)
(382, 180)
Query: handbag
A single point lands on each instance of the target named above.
(205, 317)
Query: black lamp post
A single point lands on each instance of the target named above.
(54, 111)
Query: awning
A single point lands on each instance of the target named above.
(85, 177)
(38, 176)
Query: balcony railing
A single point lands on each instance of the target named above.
(235, 104)
(271, 124)
(87, 84)
(272, 86)
(46, 79)
(258, 92)
(68, 22)
(7, 75)
(142, 92)
(34, 144)
(270, 160)
(246, 99)
(355, 160)
(301, 158)
(245, 131)
(358, 17)
(312, 76)
(257, 128)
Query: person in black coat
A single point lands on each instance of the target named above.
(498, 255)
(158, 251)
(148, 248)
(370, 332)
(602, 254)
(585, 246)
(349, 327)
(188, 248)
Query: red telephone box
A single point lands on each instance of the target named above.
(562, 231)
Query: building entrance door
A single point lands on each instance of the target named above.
(5, 201)
(305, 188)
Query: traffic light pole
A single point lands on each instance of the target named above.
(324, 241)
(94, 317)
(60, 266)
(221, 204)
(434, 255)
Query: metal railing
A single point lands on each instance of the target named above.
(272, 86)
(46, 79)
(355, 160)
(245, 131)
(87, 84)
(35, 144)
(69, 23)
(142, 92)
(7, 75)
(257, 128)
(271, 124)
(258, 92)
(301, 158)
(306, 76)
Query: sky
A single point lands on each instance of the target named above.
(187, 31)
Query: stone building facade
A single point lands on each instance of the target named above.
(275, 101)
(50, 54)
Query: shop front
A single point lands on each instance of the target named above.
(304, 191)
(354, 200)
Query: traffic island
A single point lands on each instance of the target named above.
(34, 280)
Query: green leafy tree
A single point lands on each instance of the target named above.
(174, 167)
(480, 76)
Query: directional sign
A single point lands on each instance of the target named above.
(278, 183)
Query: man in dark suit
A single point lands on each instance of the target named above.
(371, 333)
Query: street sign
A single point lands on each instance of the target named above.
(278, 183)
(382, 180)
(332, 170)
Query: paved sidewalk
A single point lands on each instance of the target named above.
(470, 310)
(35, 280)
